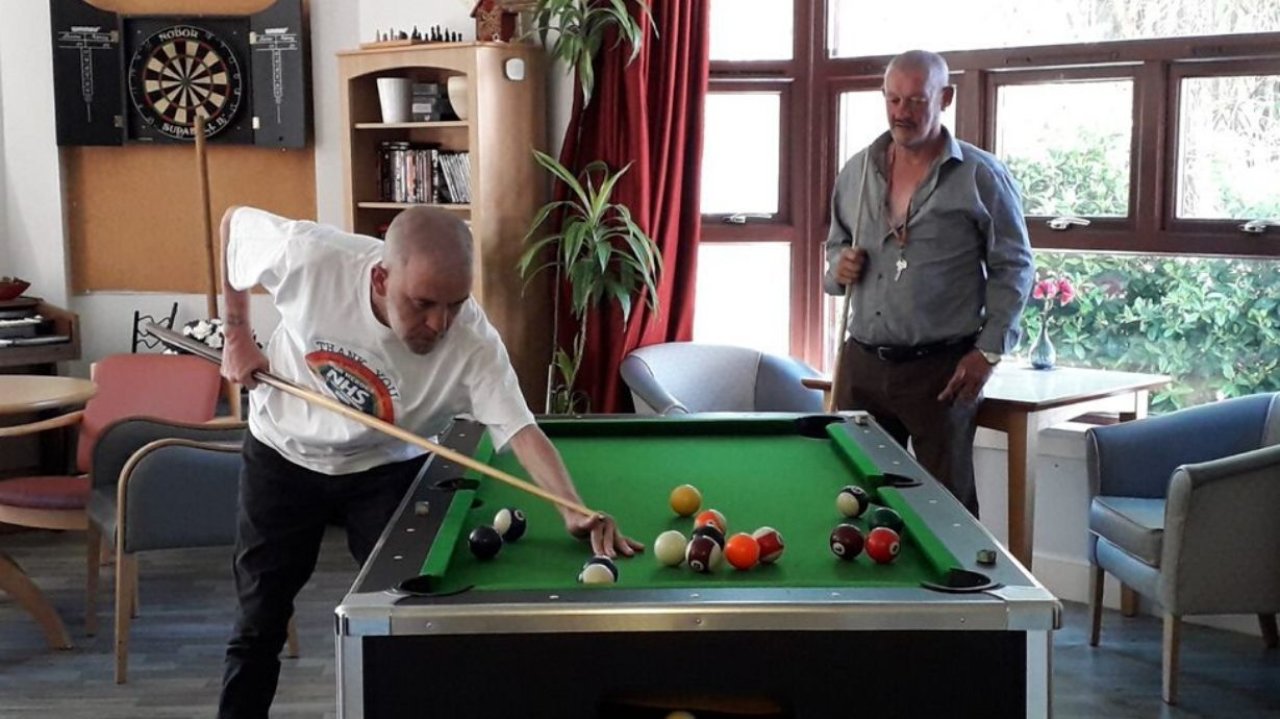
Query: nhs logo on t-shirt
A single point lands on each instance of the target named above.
(353, 382)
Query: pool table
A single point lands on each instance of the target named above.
(430, 630)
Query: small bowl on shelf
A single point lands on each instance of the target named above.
(12, 288)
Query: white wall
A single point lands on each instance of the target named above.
(30, 176)
(382, 15)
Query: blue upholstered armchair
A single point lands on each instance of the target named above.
(688, 377)
(1184, 512)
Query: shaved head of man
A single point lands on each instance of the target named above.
(425, 276)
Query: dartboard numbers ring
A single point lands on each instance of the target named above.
(180, 72)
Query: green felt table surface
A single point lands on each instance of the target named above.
(765, 475)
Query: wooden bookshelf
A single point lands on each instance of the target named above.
(505, 121)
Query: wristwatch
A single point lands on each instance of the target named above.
(992, 358)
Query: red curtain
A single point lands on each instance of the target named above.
(648, 113)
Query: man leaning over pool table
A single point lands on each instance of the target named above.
(392, 330)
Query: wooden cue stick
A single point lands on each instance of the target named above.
(202, 350)
(206, 225)
(848, 290)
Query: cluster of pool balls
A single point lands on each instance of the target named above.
(882, 543)
(710, 544)
(509, 525)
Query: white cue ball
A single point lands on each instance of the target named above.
(669, 548)
(599, 570)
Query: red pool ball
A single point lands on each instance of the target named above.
(883, 545)
(846, 542)
(703, 554)
(771, 544)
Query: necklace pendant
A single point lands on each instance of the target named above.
(901, 265)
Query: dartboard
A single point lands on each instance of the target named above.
(183, 71)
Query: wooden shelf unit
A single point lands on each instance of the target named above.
(506, 121)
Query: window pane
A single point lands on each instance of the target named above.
(1229, 148)
(744, 295)
(740, 153)
(1210, 323)
(1068, 145)
(751, 29)
(863, 118)
(860, 28)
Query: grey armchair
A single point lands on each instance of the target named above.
(1184, 512)
(159, 485)
(687, 377)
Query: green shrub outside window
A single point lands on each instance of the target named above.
(1213, 324)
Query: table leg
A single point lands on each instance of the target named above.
(16, 583)
(1141, 399)
(1023, 446)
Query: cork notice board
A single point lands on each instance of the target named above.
(133, 212)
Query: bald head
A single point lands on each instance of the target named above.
(430, 234)
(929, 64)
(424, 278)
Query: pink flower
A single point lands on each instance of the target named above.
(1066, 292)
(1045, 290)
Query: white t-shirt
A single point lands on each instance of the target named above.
(330, 341)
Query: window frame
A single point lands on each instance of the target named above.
(1228, 229)
(814, 81)
(785, 212)
(1037, 225)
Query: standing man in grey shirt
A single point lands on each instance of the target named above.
(940, 273)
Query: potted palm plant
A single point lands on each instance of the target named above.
(579, 28)
(603, 253)
(597, 246)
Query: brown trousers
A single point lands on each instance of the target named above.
(903, 398)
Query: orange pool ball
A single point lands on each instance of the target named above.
(685, 500)
(742, 551)
(713, 517)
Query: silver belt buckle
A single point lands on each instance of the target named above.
(882, 353)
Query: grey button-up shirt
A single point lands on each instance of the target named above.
(969, 266)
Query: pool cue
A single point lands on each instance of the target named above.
(848, 290)
(177, 340)
(206, 226)
(211, 253)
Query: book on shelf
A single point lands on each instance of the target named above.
(411, 172)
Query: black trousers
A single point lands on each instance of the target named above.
(903, 398)
(282, 516)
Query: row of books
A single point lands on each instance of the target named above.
(416, 172)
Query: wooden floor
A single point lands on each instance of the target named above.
(187, 601)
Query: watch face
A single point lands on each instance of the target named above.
(183, 71)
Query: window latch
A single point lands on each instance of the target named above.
(1257, 227)
(1066, 223)
(740, 218)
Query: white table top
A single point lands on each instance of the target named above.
(1033, 389)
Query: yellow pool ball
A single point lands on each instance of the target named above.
(685, 500)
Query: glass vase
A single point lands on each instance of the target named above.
(1043, 355)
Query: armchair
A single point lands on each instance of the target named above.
(177, 488)
(688, 377)
(1184, 512)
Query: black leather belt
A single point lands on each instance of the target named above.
(901, 353)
